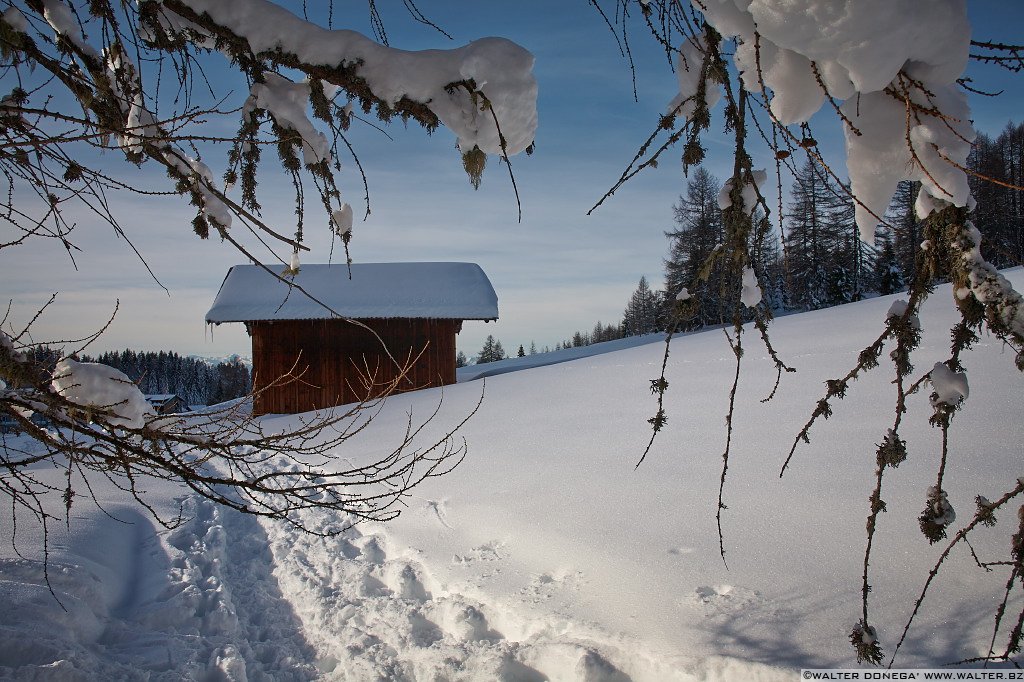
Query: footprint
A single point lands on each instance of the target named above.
(347, 549)
(720, 599)
(593, 667)
(405, 583)
(371, 550)
(423, 632)
(465, 622)
(371, 587)
(489, 551)
(544, 586)
(571, 661)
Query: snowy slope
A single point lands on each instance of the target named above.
(546, 555)
(490, 369)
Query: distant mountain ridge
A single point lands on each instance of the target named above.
(214, 360)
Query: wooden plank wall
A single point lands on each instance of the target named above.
(339, 362)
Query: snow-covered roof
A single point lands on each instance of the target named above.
(459, 291)
(160, 398)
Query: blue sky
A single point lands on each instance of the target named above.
(557, 271)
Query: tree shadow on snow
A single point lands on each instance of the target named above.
(777, 634)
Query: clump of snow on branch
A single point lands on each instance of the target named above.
(172, 23)
(58, 15)
(202, 181)
(859, 50)
(342, 218)
(941, 511)
(683, 295)
(287, 101)
(899, 309)
(885, 152)
(751, 294)
(950, 387)
(500, 69)
(8, 345)
(100, 387)
(749, 192)
(15, 19)
(688, 71)
(990, 287)
(140, 124)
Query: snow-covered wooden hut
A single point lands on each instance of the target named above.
(167, 403)
(407, 313)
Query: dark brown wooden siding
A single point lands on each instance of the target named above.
(338, 362)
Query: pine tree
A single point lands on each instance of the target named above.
(698, 232)
(888, 273)
(822, 258)
(461, 360)
(641, 314)
(906, 228)
(491, 352)
(605, 332)
(854, 259)
(999, 212)
(486, 353)
(521, 353)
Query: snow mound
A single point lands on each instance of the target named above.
(97, 386)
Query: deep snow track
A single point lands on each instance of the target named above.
(228, 597)
(195, 603)
(374, 613)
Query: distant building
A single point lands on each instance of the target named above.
(341, 340)
(167, 403)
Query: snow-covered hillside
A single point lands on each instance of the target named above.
(546, 555)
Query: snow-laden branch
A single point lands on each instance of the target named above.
(497, 67)
(895, 66)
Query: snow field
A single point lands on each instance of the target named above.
(546, 555)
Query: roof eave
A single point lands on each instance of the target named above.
(342, 319)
